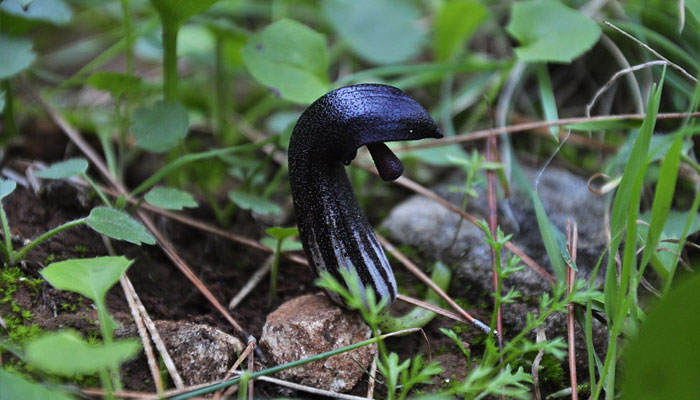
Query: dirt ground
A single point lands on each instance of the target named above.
(223, 266)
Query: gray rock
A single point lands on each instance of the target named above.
(200, 352)
(425, 224)
(309, 325)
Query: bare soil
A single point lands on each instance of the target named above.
(223, 266)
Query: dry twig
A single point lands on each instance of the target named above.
(129, 294)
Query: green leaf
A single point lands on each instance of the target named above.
(114, 82)
(64, 169)
(663, 361)
(170, 198)
(253, 202)
(65, 353)
(291, 59)
(455, 24)
(118, 225)
(663, 196)
(280, 233)
(625, 209)
(6, 188)
(2, 99)
(380, 31)
(53, 11)
(549, 104)
(91, 277)
(287, 245)
(694, 7)
(176, 12)
(452, 335)
(439, 156)
(549, 31)
(13, 386)
(16, 55)
(160, 127)
(552, 238)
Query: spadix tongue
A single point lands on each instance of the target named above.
(388, 165)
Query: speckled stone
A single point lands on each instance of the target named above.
(309, 325)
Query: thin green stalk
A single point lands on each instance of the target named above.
(7, 249)
(589, 344)
(97, 190)
(106, 384)
(128, 39)
(273, 271)
(111, 52)
(221, 88)
(243, 386)
(110, 158)
(8, 114)
(182, 161)
(446, 100)
(106, 324)
(23, 252)
(170, 61)
(691, 163)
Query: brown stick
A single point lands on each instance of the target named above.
(491, 148)
(143, 333)
(423, 277)
(485, 133)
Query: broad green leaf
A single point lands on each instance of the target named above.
(663, 361)
(279, 232)
(291, 59)
(64, 169)
(53, 11)
(2, 99)
(6, 188)
(118, 225)
(176, 12)
(549, 31)
(694, 7)
(65, 353)
(13, 386)
(197, 43)
(91, 277)
(287, 245)
(455, 23)
(170, 198)
(114, 82)
(380, 31)
(160, 127)
(16, 55)
(255, 203)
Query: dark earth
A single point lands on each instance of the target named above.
(223, 266)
